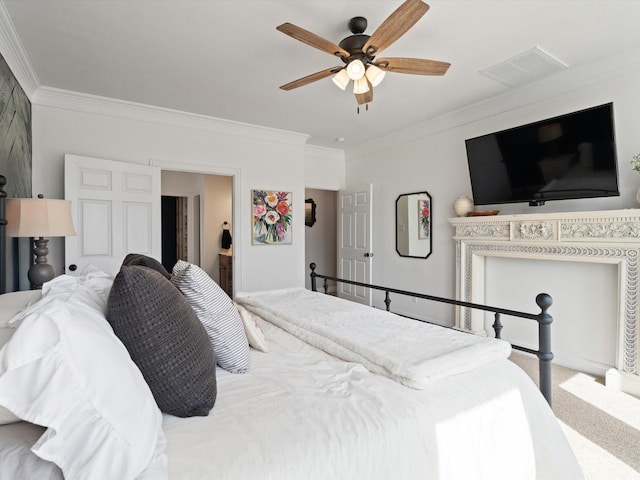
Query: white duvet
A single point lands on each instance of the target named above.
(302, 413)
(408, 351)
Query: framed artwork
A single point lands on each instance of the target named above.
(271, 217)
(309, 212)
(424, 219)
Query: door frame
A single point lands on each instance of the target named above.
(235, 174)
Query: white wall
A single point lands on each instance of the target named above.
(324, 168)
(64, 122)
(432, 157)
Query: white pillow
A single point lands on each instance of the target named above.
(15, 302)
(12, 304)
(65, 369)
(91, 286)
(217, 313)
(255, 335)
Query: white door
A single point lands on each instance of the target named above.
(354, 243)
(116, 210)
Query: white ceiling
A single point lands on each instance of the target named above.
(226, 59)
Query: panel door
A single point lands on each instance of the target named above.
(355, 255)
(116, 210)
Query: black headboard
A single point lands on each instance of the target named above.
(3, 236)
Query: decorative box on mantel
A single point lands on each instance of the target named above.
(604, 237)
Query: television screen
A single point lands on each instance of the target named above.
(571, 156)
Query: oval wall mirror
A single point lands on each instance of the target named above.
(413, 225)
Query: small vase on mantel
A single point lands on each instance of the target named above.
(462, 206)
(638, 196)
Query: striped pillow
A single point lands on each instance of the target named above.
(217, 313)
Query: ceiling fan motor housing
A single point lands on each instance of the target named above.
(353, 44)
(357, 25)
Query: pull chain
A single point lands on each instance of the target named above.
(366, 107)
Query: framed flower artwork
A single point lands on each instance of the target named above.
(271, 217)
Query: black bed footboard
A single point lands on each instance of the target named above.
(543, 319)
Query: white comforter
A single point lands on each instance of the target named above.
(410, 352)
(304, 414)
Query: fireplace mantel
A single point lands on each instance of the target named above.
(611, 237)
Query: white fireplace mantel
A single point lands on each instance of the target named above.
(611, 237)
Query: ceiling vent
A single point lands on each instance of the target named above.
(527, 67)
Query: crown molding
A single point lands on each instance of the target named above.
(553, 86)
(85, 103)
(15, 55)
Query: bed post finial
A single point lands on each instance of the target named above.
(545, 356)
(314, 287)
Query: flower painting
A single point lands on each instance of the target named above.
(271, 217)
(424, 219)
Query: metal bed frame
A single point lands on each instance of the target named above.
(544, 320)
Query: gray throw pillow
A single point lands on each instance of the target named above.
(146, 261)
(165, 340)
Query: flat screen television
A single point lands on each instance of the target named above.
(566, 157)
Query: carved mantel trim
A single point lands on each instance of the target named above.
(604, 237)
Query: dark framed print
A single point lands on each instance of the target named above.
(309, 212)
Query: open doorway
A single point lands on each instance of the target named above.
(199, 207)
(321, 235)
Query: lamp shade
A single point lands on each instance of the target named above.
(355, 69)
(361, 85)
(39, 217)
(341, 79)
(375, 75)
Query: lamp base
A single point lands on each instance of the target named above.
(40, 272)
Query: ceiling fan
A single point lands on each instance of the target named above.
(358, 52)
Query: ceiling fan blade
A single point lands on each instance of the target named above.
(415, 66)
(312, 39)
(396, 25)
(366, 97)
(363, 98)
(311, 78)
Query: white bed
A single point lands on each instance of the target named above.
(300, 412)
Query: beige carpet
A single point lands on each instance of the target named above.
(601, 424)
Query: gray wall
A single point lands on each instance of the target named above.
(15, 165)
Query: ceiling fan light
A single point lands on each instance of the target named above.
(375, 75)
(355, 69)
(361, 85)
(341, 79)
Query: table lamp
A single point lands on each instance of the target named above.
(39, 218)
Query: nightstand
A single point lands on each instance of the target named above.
(226, 273)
